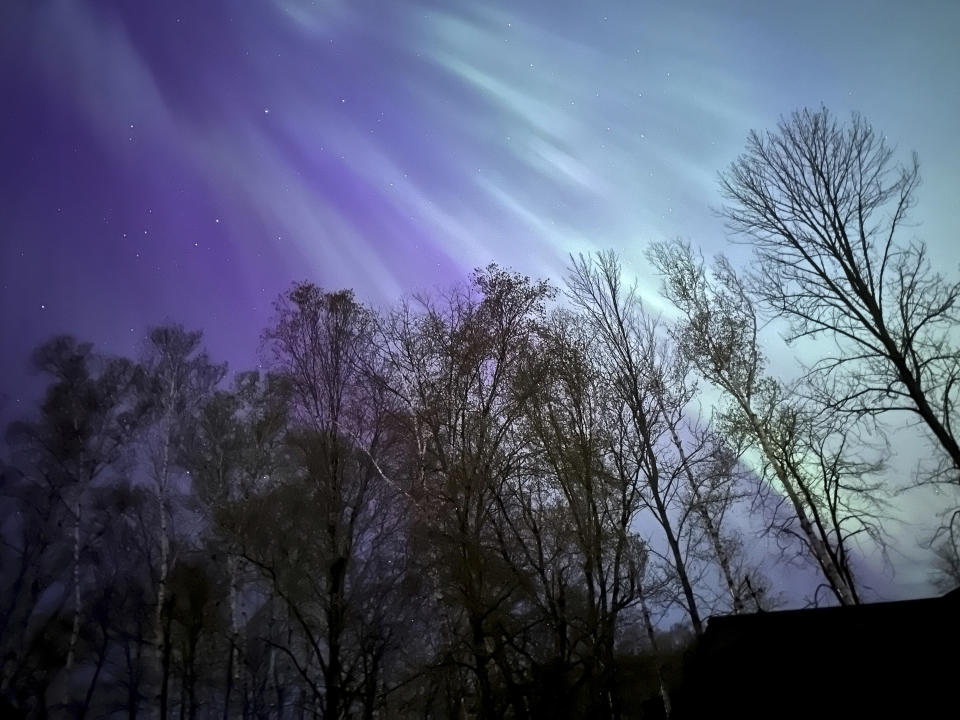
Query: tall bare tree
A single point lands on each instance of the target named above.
(569, 425)
(642, 445)
(87, 418)
(828, 487)
(337, 506)
(235, 444)
(177, 377)
(824, 204)
(457, 362)
(946, 549)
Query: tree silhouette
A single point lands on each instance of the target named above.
(824, 205)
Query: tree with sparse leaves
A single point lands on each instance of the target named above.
(830, 489)
(177, 376)
(824, 204)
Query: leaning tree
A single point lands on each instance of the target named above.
(824, 203)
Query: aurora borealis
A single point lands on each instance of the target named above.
(185, 160)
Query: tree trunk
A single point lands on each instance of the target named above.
(278, 687)
(184, 679)
(335, 626)
(940, 431)
(487, 705)
(191, 673)
(817, 545)
(681, 566)
(370, 690)
(604, 667)
(165, 658)
(712, 532)
(653, 482)
(654, 647)
(160, 637)
(77, 603)
(226, 696)
(273, 673)
(91, 688)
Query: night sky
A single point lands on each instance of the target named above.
(187, 160)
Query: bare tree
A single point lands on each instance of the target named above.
(338, 512)
(35, 558)
(715, 489)
(642, 445)
(127, 563)
(178, 375)
(456, 364)
(87, 418)
(234, 445)
(946, 549)
(828, 489)
(823, 204)
(709, 484)
(569, 425)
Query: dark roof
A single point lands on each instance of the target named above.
(882, 612)
(822, 662)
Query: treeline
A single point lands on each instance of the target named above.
(493, 502)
